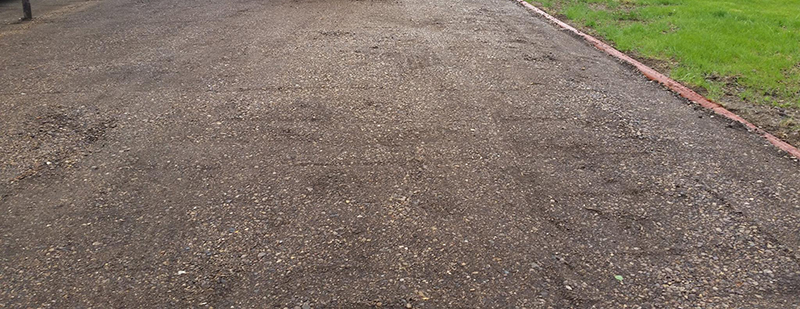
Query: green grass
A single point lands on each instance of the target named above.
(746, 48)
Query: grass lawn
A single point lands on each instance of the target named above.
(748, 49)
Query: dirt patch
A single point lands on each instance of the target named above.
(784, 123)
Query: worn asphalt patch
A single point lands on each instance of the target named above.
(370, 153)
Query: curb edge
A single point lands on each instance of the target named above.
(662, 79)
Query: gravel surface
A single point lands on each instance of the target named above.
(386, 153)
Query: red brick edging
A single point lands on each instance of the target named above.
(666, 81)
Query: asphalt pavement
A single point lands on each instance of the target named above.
(369, 153)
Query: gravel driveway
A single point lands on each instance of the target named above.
(369, 153)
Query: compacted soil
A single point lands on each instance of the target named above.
(349, 154)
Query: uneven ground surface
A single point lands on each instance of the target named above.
(369, 153)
